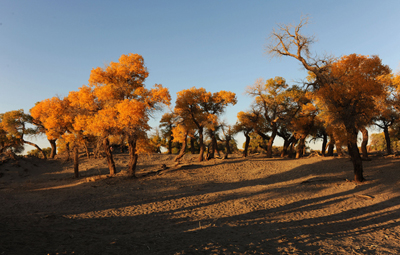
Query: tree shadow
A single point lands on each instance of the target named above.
(128, 218)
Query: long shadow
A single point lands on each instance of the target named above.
(108, 231)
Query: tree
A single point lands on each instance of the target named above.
(123, 104)
(8, 142)
(167, 123)
(50, 114)
(202, 108)
(14, 129)
(270, 101)
(344, 87)
(228, 132)
(245, 124)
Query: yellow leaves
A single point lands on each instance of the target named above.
(200, 107)
(225, 97)
(179, 133)
(126, 75)
(83, 99)
(159, 94)
(104, 122)
(132, 115)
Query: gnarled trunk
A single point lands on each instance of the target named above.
(68, 152)
(86, 149)
(109, 156)
(271, 140)
(286, 145)
(214, 148)
(364, 143)
(324, 143)
(227, 147)
(387, 139)
(331, 146)
(37, 147)
(53, 145)
(170, 145)
(354, 153)
(246, 145)
(201, 144)
(291, 148)
(76, 160)
(300, 147)
(183, 149)
(133, 157)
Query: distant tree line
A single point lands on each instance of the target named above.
(340, 98)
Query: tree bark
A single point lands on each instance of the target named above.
(300, 147)
(227, 147)
(76, 161)
(213, 147)
(86, 149)
(183, 149)
(354, 153)
(291, 148)
(109, 156)
(133, 157)
(286, 145)
(324, 143)
(331, 146)
(201, 144)
(364, 143)
(37, 147)
(170, 145)
(53, 145)
(246, 145)
(387, 139)
(271, 140)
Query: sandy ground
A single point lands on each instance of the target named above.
(235, 206)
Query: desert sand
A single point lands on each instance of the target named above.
(240, 205)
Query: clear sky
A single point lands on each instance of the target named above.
(48, 48)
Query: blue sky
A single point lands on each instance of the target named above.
(48, 48)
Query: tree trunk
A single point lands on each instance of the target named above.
(109, 156)
(300, 147)
(291, 148)
(246, 145)
(37, 147)
(68, 152)
(387, 138)
(86, 149)
(271, 141)
(227, 147)
(133, 157)
(324, 143)
(201, 144)
(364, 143)
(53, 145)
(213, 147)
(354, 153)
(331, 146)
(285, 148)
(286, 145)
(76, 161)
(183, 149)
(170, 145)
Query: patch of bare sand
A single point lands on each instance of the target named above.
(235, 206)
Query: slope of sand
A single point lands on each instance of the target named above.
(235, 206)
